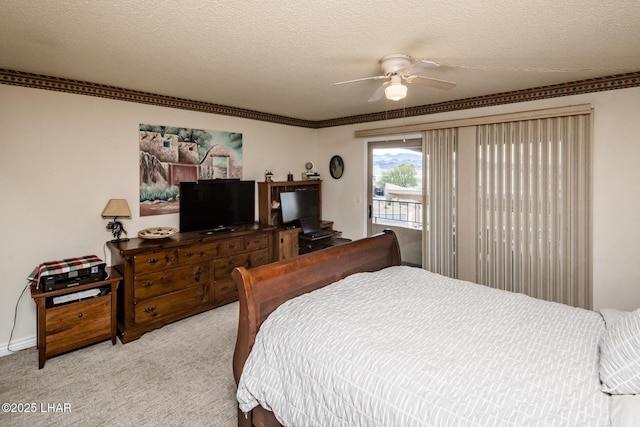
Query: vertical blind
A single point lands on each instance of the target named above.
(534, 209)
(440, 196)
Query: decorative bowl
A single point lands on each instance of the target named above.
(157, 232)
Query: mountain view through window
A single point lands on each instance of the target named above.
(397, 187)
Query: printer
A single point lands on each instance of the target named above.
(68, 272)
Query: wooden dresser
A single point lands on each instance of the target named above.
(188, 273)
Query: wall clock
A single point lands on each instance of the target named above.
(336, 167)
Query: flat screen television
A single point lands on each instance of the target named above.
(216, 204)
(298, 204)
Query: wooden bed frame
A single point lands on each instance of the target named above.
(262, 289)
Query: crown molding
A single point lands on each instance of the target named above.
(619, 81)
(39, 81)
(78, 87)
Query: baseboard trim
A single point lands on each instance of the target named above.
(17, 345)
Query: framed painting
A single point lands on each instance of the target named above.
(170, 155)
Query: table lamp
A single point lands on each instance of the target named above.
(116, 208)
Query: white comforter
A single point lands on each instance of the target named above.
(405, 347)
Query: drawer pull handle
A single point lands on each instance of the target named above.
(231, 246)
(189, 254)
(224, 288)
(150, 310)
(148, 284)
(198, 295)
(197, 274)
(153, 261)
(79, 315)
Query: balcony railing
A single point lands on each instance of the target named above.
(398, 213)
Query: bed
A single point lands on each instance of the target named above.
(392, 345)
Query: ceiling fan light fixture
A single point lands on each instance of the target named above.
(395, 91)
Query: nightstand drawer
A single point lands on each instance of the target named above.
(78, 324)
(163, 282)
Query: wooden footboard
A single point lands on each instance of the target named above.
(262, 289)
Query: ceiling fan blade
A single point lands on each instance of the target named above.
(418, 67)
(379, 93)
(428, 81)
(360, 80)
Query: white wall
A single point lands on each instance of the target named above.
(616, 193)
(63, 156)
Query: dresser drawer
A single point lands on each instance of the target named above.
(258, 258)
(222, 267)
(78, 324)
(154, 261)
(197, 253)
(256, 242)
(225, 291)
(163, 282)
(173, 302)
(231, 246)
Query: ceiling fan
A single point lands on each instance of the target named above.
(397, 68)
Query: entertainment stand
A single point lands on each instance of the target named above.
(287, 242)
(168, 279)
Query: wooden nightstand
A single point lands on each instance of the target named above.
(69, 326)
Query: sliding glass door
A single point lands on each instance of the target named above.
(395, 193)
(504, 203)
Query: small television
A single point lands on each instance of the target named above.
(298, 204)
(216, 204)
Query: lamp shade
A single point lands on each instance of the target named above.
(116, 208)
(396, 90)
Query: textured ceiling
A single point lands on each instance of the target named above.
(283, 57)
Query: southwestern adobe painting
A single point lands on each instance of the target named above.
(170, 155)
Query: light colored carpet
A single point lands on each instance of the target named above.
(178, 375)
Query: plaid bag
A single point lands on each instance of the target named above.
(50, 268)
